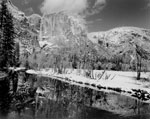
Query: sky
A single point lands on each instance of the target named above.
(101, 15)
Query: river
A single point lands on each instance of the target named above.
(52, 110)
(65, 107)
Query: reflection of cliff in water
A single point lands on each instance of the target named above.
(69, 110)
(58, 100)
(111, 102)
(66, 109)
(5, 99)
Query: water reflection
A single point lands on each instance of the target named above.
(53, 110)
(5, 98)
(65, 103)
(59, 110)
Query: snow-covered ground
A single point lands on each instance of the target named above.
(17, 68)
(124, 83)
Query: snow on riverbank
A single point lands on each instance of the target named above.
(110, 81)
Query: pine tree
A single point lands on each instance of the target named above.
(16, 60)
(7, 49)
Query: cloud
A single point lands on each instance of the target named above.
(25, 2)
(100, 2)
(96, 8)
(148, 5)
(98, 20)
(29, 11)
(52, 6)
(89, 22)
(74, 6)
(93, 21)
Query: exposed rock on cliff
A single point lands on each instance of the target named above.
(26, 32)
(61, 27)
(125, 42)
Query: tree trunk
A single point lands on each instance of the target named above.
(139, 65)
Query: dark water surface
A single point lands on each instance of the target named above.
(59, 110)
(53, 109)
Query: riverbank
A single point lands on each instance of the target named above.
(124, 83)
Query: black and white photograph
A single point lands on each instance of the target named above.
(74, 59)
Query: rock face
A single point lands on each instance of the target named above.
(25, 28)
(121, 36)
(62, 29)
(35, 21)
(33, 32)
(125, 42)
(53, 32)
(116, 103)
(59, 23)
